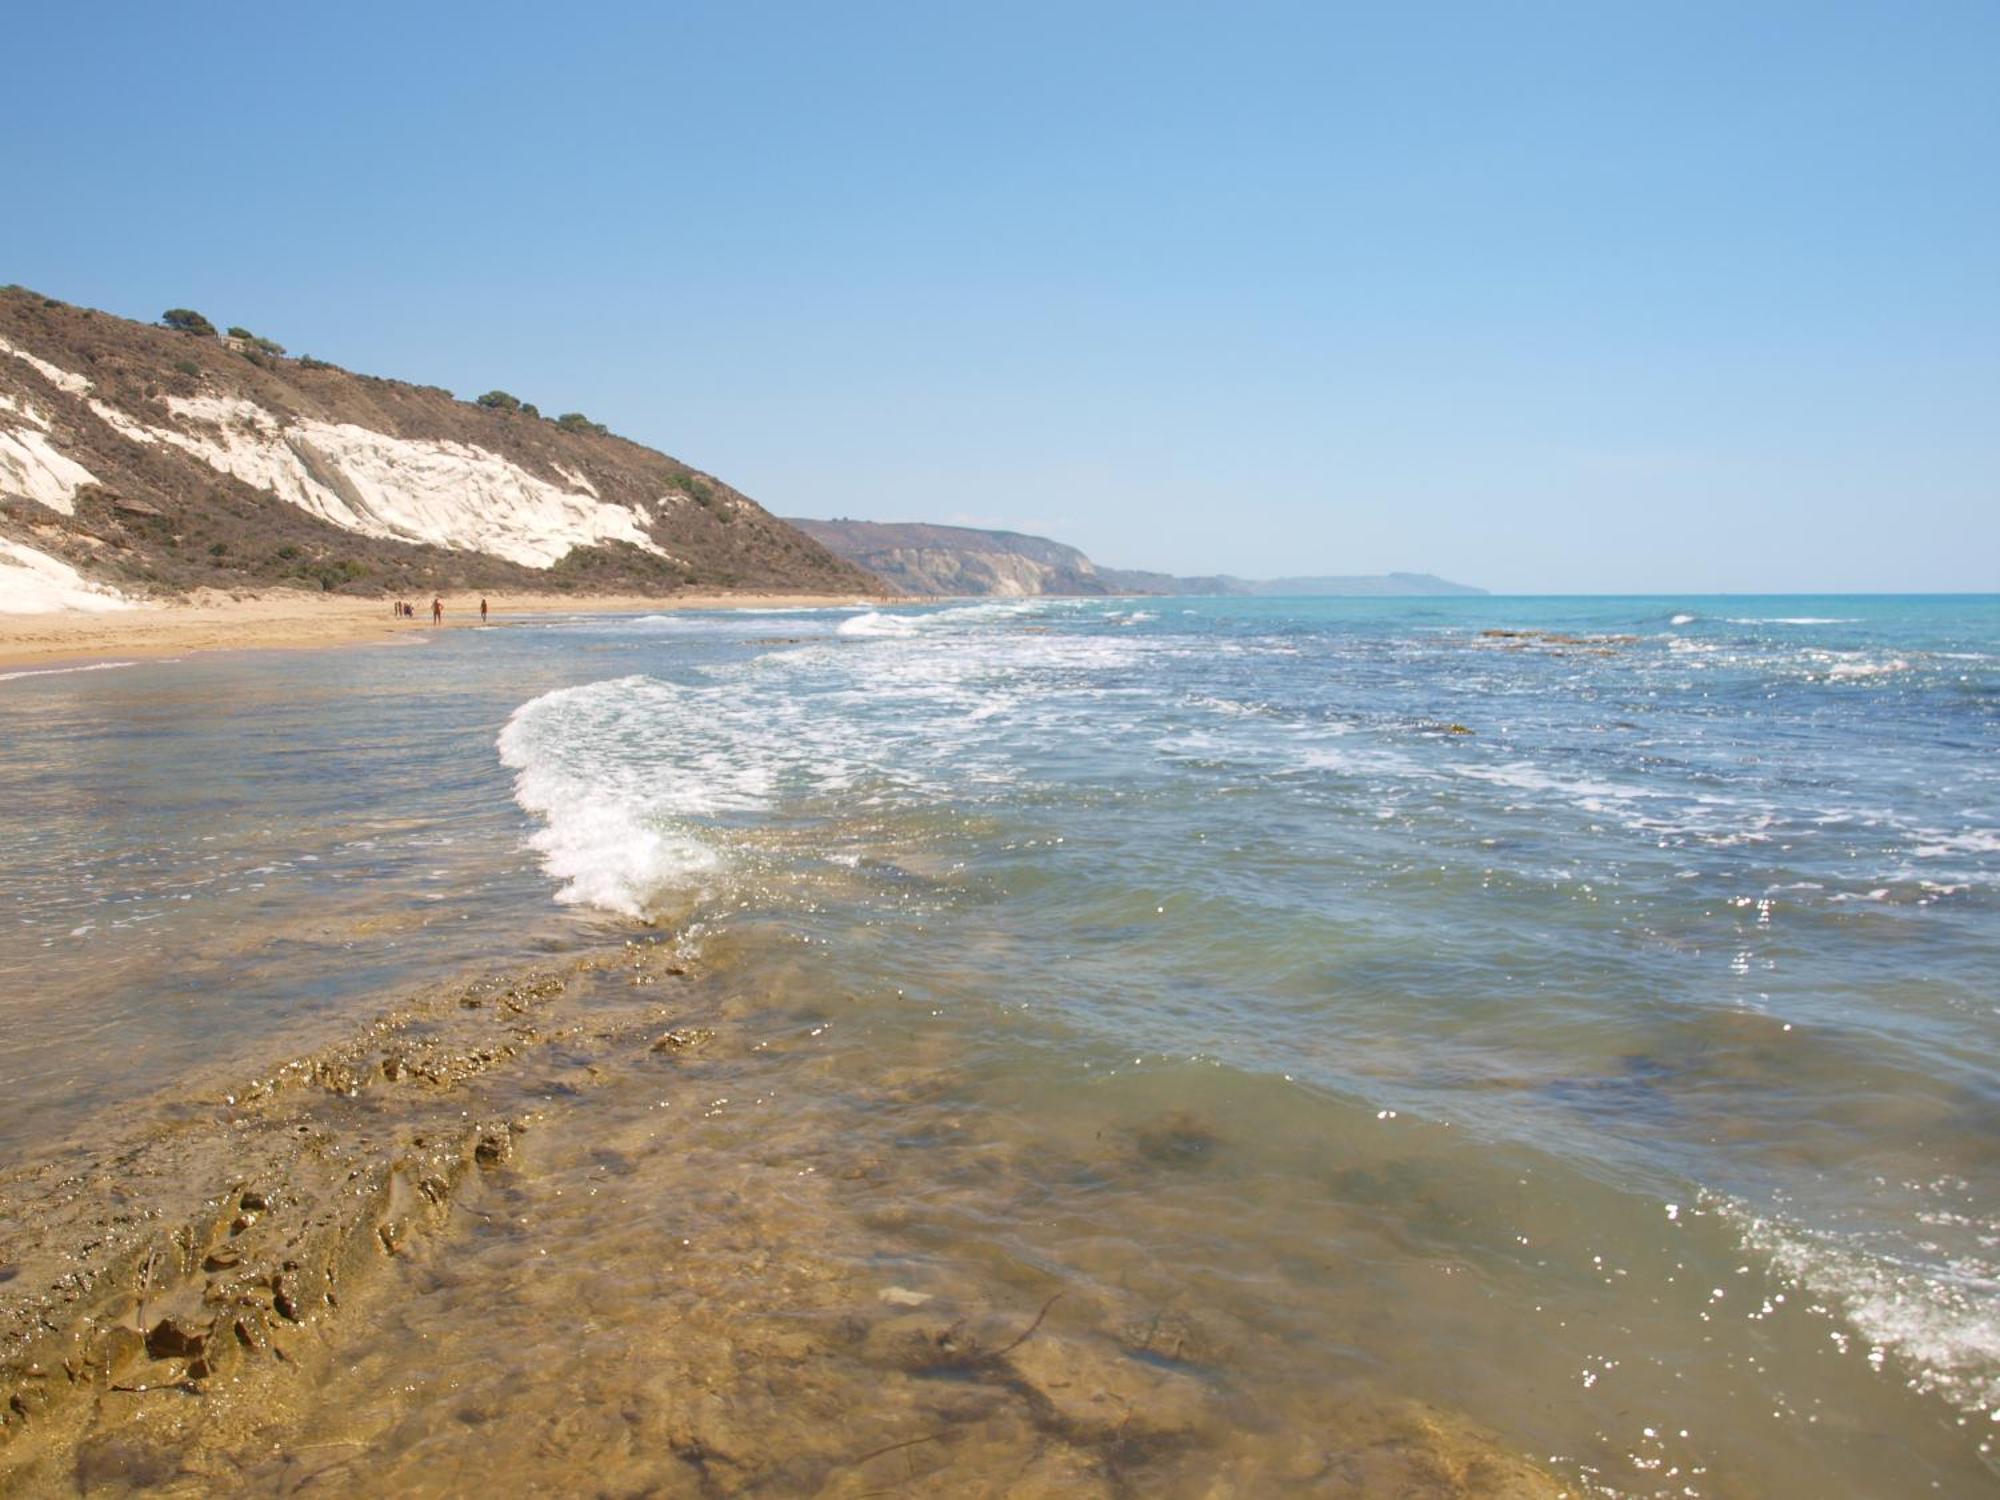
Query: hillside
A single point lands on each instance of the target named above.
(920, 558)
(144, 460)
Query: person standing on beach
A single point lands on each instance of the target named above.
(482, 611)
(437, 610)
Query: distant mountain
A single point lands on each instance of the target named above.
(155, 459)
(920, 558)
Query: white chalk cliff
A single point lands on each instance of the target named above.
(450, 494)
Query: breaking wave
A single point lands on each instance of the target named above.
(605, 833)
(875, 623)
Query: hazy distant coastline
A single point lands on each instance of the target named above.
(930, 560)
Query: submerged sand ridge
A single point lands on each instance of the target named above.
(622, 1223)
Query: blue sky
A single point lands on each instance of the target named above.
(1591, 297)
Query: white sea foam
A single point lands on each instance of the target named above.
(789, 609)
(1794, 620)
(1857, 669)
(601, 835)
(1683, 620)
(1527, 777)
(1934, 844)
(876, 624)
(1941, 1320)
(95, 666)
(635, 780)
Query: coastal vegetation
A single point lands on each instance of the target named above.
(187, 320)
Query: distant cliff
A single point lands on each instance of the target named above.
(155, 459)
(919, 558)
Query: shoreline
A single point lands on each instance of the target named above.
(288, 619)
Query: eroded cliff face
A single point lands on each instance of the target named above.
(145, 460)
(920, 558)
(939, 570)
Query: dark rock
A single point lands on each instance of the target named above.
(170, 1340)
(682, 1039)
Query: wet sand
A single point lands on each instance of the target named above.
(616, 1222)
(291, 618)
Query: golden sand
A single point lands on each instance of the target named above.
(212, 620)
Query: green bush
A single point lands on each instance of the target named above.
(307, 362)
(257, 345)
(218, 549)
(187, 367)
(576, 421)
(187, 320)
(288, 552)
(500, 401)
(332, 575)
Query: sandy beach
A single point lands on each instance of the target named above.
(211, 620)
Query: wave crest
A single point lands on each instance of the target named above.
(600, 836)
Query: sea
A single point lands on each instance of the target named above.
(1577, 1019)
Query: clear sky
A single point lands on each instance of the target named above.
(1579, 297)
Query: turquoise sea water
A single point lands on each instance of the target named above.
(1628, 965)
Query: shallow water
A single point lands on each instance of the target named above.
(1576, 1015)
